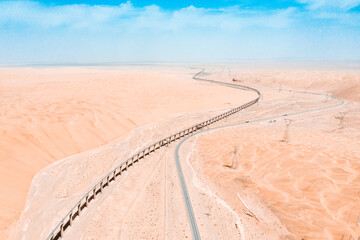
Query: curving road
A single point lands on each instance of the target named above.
(90, 196)
(189, 209)
(191, 215)
(75, 211)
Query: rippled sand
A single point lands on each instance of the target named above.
(47, 114)
(311, 183)
(306, 188)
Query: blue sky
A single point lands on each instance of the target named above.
(65, 31)
(174, 5)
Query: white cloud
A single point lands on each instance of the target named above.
(331, 4)
(231, 18)
(33, 14)
(33, 32)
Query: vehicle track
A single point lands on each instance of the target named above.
(149, 179)
(152, 179)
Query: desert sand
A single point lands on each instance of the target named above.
(303, 188)
(309, 182)
(50, 113)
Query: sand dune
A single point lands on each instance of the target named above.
(51, 113)
(306, 188)
(310, 183)
(341, 84)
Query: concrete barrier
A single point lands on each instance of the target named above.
(90, 196)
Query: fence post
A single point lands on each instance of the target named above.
(79, 208)
(70, 219)
(166, 141)
(62, 229)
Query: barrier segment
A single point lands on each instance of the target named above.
(67, 220)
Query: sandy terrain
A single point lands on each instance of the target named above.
(57, 187)
(51, 113)
(305, 188)
(147, 203)
(310, 184)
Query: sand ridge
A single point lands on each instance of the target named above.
(70, 184)
(253, 200)
(51, 113)
(309, 183)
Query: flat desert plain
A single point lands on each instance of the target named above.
(63, 128)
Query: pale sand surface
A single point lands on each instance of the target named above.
(50, 113)
(310, 184)
(145, 203)
(307, 188)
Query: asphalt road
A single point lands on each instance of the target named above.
(189, 209)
